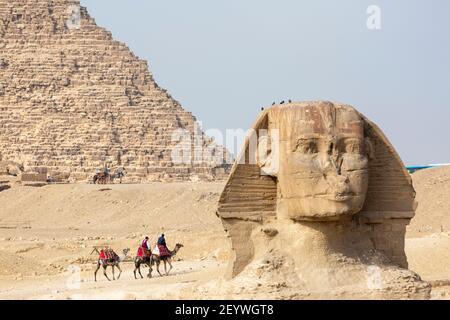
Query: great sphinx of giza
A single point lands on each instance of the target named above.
(317, 205)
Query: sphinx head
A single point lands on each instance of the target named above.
(319, 155)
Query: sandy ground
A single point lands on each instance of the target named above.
(427, 242)
(47, 235)
(76, 285)
(433, 197)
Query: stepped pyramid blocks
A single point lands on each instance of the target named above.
(72, 100)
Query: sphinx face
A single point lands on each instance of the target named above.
(322, 160)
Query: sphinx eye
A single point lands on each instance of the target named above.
(307, 147)
(353, 146)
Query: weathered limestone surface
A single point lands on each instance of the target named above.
(73, 100)
(322, 211)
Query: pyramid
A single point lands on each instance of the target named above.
(73, 100)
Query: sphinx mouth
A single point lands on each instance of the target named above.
(337, 197)
(341, 197)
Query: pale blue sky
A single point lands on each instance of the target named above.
(225, 59)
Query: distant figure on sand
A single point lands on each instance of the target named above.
(104, 176)
(118, 174)
(101, 176)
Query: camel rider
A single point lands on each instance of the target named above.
(145, 245)
(161, 247)
(162, 241)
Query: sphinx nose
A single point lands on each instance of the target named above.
(332, 165)
(332, 174)
(341, 184)
(337, 184)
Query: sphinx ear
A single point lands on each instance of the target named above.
(370, 150)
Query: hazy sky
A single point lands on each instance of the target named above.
(225, 59)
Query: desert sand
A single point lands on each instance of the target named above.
(48, 232)
(427, 242)
(47, 235)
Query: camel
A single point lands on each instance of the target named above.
(138, 261)
(168, 259)
(101, 178)
(155, 259)
(104, 177)
(118, 174)
(113, 263)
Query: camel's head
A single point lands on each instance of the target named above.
(179, 246)
(125, 251)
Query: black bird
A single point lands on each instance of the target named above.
(290, 101)
(273, 103)
(282, 102)
(262, 109)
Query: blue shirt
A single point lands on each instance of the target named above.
(162, 241)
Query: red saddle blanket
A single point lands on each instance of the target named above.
(143, 253)
(107, 254)
(163, 251)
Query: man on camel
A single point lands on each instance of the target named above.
(144, 250)
(145, 244)
(162, 240)
(161, 249)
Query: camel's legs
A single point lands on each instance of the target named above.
(104, 272)
(169, 261)
(136, 266)
(112, 266)
(150, 270)
(95, 272)
(157, 267)
(120, 271)
(165, 267)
